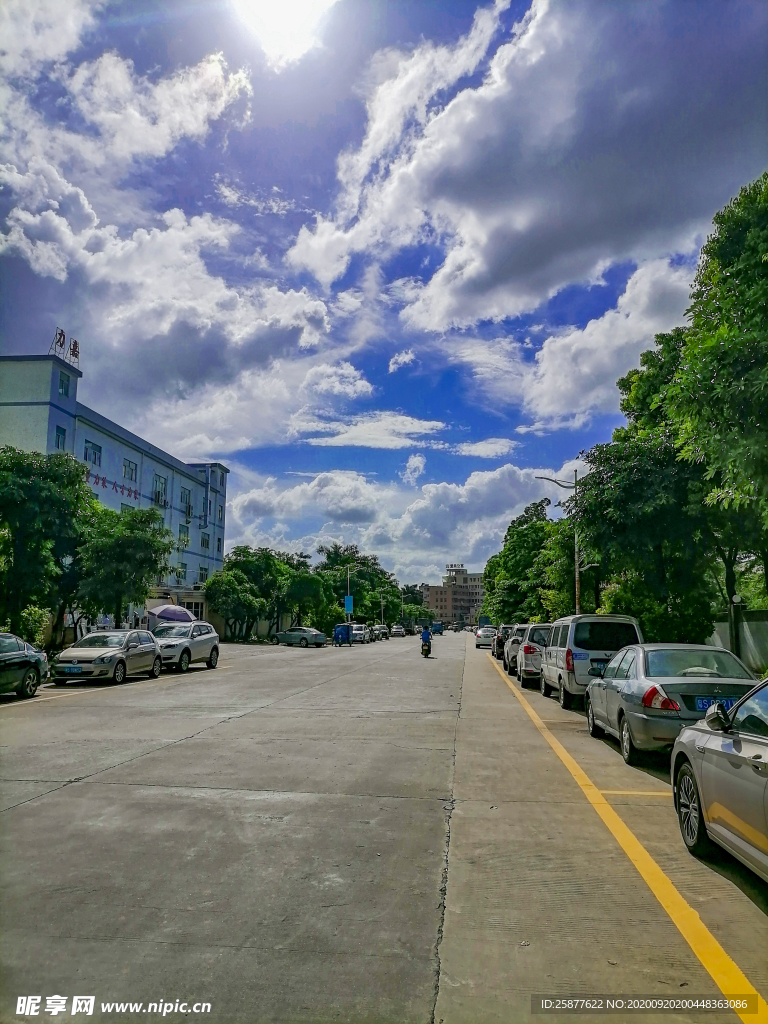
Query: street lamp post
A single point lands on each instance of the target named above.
(577, 560)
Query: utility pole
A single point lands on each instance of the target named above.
(577, 560)
(381, 595)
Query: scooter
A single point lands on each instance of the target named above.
(426, 648)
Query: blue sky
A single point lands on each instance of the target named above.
(385, 259)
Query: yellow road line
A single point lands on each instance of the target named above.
(726, 974)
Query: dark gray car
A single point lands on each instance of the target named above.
(720, 781)
(648, 692)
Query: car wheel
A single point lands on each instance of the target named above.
(118, 676)
(319, 645)
(505, 663)
(157, 667)
(29, 684)
(544, 686)
(303, 642)
(689, 815)
(213, 658)
(592, 726)
(184, 661)
(629, 751)
(564, 697)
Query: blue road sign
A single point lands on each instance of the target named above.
(348, 604)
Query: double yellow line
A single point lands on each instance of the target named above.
(726, 974)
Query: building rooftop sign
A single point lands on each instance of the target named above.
(455, 565)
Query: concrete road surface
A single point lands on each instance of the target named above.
(352, 834)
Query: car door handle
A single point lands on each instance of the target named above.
(701, 748)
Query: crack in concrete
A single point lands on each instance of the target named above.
(449, 807)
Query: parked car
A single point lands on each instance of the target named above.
(22, 666)
(182, 643)
(382, 633)
(109, 654)
(301, 636)
(579, 643)
(397, 630)
(720, 780)
(361, 634)
(437, 629)
(511, 647)
(530, 650)
(502, 634)
(485, 636)
(648, 692)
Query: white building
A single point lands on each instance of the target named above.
(39, 411)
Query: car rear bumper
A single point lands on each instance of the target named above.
(650, 732)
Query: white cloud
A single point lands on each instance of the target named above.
(401, 359)
(342, 379)
(446, 522)
(543, 174)
(370, 430)
(414, 468)
(491, 448)
(573, 375)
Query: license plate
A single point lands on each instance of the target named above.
(702, 703)
(72, 670)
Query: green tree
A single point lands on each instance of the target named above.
(33, 624)
(508, 597)
(231, 594)
(718, 397)
(121, 559)
(46, 509)
(411, 594)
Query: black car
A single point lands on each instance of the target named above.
(22, 667)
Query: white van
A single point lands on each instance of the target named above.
(579, 648)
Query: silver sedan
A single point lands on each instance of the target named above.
(720, 781)
(648, 692)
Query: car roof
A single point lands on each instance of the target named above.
(680, 647)
(610, 617)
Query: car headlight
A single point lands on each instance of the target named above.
(170, 646)
(105, 659)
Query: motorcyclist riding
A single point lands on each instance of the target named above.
(426, 638)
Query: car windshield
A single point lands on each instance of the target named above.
(102, 640)
(539, 636)
(171, 630)
(604, 636)
(702, 664)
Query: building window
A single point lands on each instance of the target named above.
(218, 545)
(203, 575)
(61, 439)
(159, 489)
(64, 384)
(196, 607)
(125, 508)
(221, 479)
(209, 506)
(129, 469)
(183, 536)
(181, 572)
(205, 541)
(221, 513)
(92, 453)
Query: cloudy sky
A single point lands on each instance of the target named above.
(385, 258)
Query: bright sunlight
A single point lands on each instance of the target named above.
(287, 29)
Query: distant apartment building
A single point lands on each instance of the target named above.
(459, 597)
(39, 411)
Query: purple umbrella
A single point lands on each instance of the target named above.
(172, 613)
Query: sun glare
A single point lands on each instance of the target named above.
(286, 29)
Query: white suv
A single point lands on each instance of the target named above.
(579, 647)
(181, 643)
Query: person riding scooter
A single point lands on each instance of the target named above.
(426, 641)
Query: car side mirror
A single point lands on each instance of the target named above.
(716, 718)
(595, 670)
(131, 646)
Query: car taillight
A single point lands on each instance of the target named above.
(530, 649)
(569, 660)
(656, 698)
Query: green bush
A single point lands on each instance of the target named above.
(33, 623)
